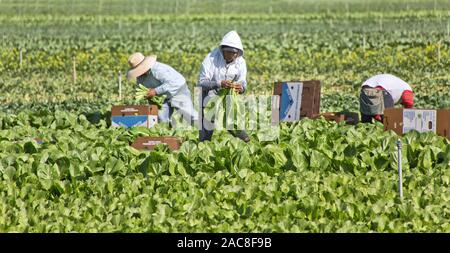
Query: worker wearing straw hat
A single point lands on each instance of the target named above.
(162, 79)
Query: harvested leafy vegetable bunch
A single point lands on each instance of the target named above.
(141, 93)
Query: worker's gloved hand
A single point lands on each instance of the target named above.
(378, 118)
(407, 99)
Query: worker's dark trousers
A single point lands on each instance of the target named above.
(205, 135)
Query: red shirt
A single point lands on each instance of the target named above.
(407, 99)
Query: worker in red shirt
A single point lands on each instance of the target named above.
(383, 91)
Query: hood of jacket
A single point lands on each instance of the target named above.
(232, 39)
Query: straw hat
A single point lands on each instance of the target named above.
(139, 64)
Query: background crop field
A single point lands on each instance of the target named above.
(317, 176)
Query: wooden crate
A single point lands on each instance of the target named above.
(351, 118)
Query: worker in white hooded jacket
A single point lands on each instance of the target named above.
(223, 68)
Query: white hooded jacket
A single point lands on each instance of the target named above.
(215, 69)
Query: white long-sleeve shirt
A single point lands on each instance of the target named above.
(214, 69)
(165, 80)
(392, 84)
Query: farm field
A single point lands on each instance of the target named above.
(316, 176)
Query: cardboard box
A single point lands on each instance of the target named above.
(134, 115)
(149, 143)
(443, 124)
(295, 100)
(310, 98)
(275, 109)
(402, 120)
(351, 118)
